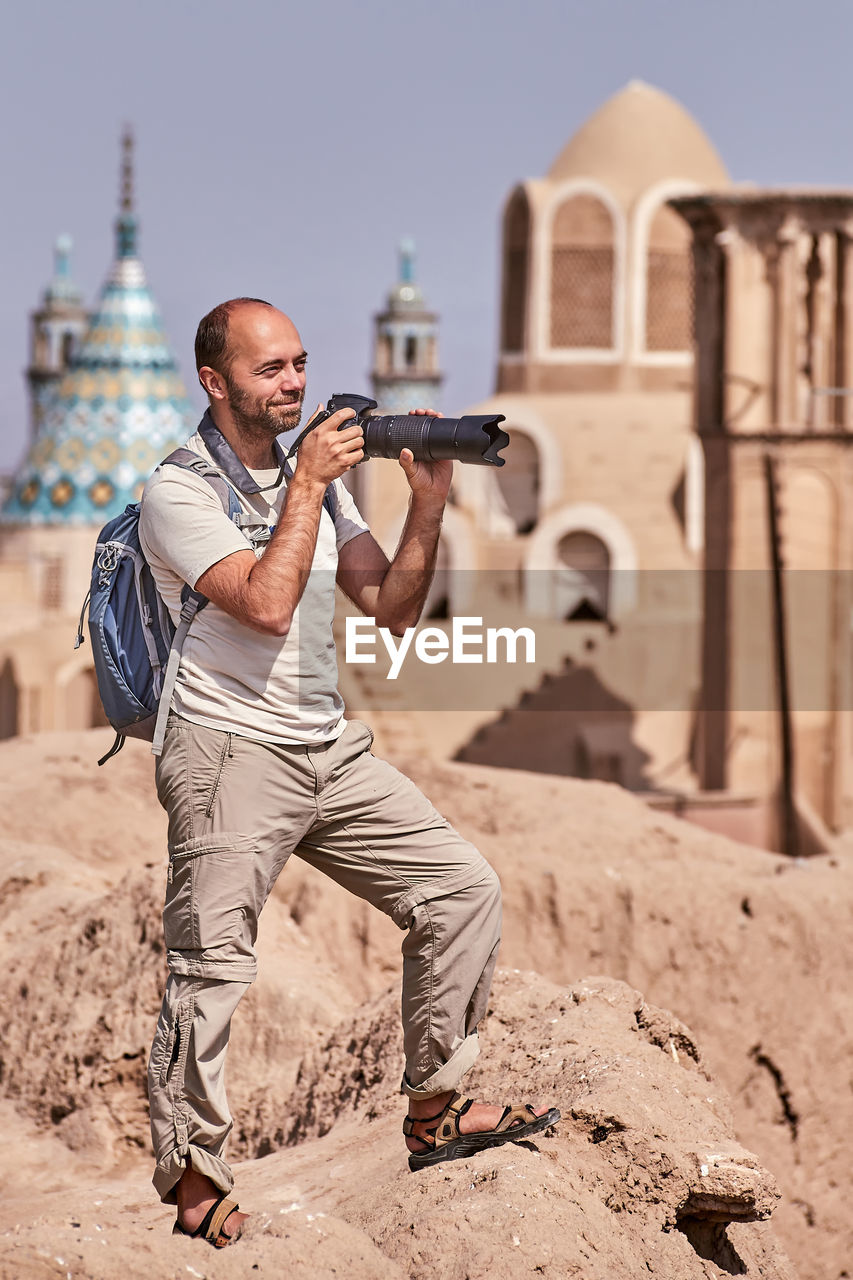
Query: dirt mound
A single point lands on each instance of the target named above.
(643, 1175)
(83, 991)
(750, 950)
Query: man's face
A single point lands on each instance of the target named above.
(266, 378)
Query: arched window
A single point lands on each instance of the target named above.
(9, 701)
(582, 267)
(516, 251)
(83, 708)
(51, 589)
(669, 288)
(583, 589)
(384, 354)
(518, 481)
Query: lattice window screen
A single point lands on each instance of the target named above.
(516, 249)
(669, 293)
(52, 584)
(582, 265)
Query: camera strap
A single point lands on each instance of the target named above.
(234, 471)
(230, 465)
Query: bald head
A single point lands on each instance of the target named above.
(256, 330)
(212, 346)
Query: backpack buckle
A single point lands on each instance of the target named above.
(108, 562)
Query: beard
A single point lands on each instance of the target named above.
(254, 416)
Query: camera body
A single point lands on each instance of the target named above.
(474, 439)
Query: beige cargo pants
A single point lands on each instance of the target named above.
(237, 810)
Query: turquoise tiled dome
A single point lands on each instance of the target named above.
(117, 411)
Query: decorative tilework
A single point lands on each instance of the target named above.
(119, 409)
(396, 396)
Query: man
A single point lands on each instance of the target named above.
(259, 762)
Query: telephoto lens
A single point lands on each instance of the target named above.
(475, 439)
(469, 439)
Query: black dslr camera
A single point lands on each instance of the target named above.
(476, 438)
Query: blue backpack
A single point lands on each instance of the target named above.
(135, 645)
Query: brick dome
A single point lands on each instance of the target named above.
(639, 137)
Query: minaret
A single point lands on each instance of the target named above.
(118, 409)
(56, 329)
(126, 222)
(405, 358)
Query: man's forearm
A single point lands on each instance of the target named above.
(275, 584)
(406, 584)
(263, 594)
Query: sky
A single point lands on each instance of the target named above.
(284, 150)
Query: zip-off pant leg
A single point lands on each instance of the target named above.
(237, 809)
(190, 1120)
(223, 862)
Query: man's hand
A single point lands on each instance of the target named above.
(326, 453)
(428, 481)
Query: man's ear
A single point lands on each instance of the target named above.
(212, 382)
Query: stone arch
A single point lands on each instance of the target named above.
(580, 260)
(82, 705)
(662, 277)
(520, 481)
(516, 272)
(10, 699)
(582, 591)
(479, 489)
(545, 568)
(78, 703)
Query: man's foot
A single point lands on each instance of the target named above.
(197, 1199)
(449, 1127)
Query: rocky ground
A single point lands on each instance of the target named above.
(646, 1175)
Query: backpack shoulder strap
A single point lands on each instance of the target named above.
(192, 602)
(189, 461)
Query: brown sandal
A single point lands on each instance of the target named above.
(210, 1227)
(445, 1142)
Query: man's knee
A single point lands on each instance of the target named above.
(469, 907)
(471, 888)
(483, 900)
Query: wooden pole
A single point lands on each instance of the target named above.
(790, 827)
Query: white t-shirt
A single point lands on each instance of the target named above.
(273, 688)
